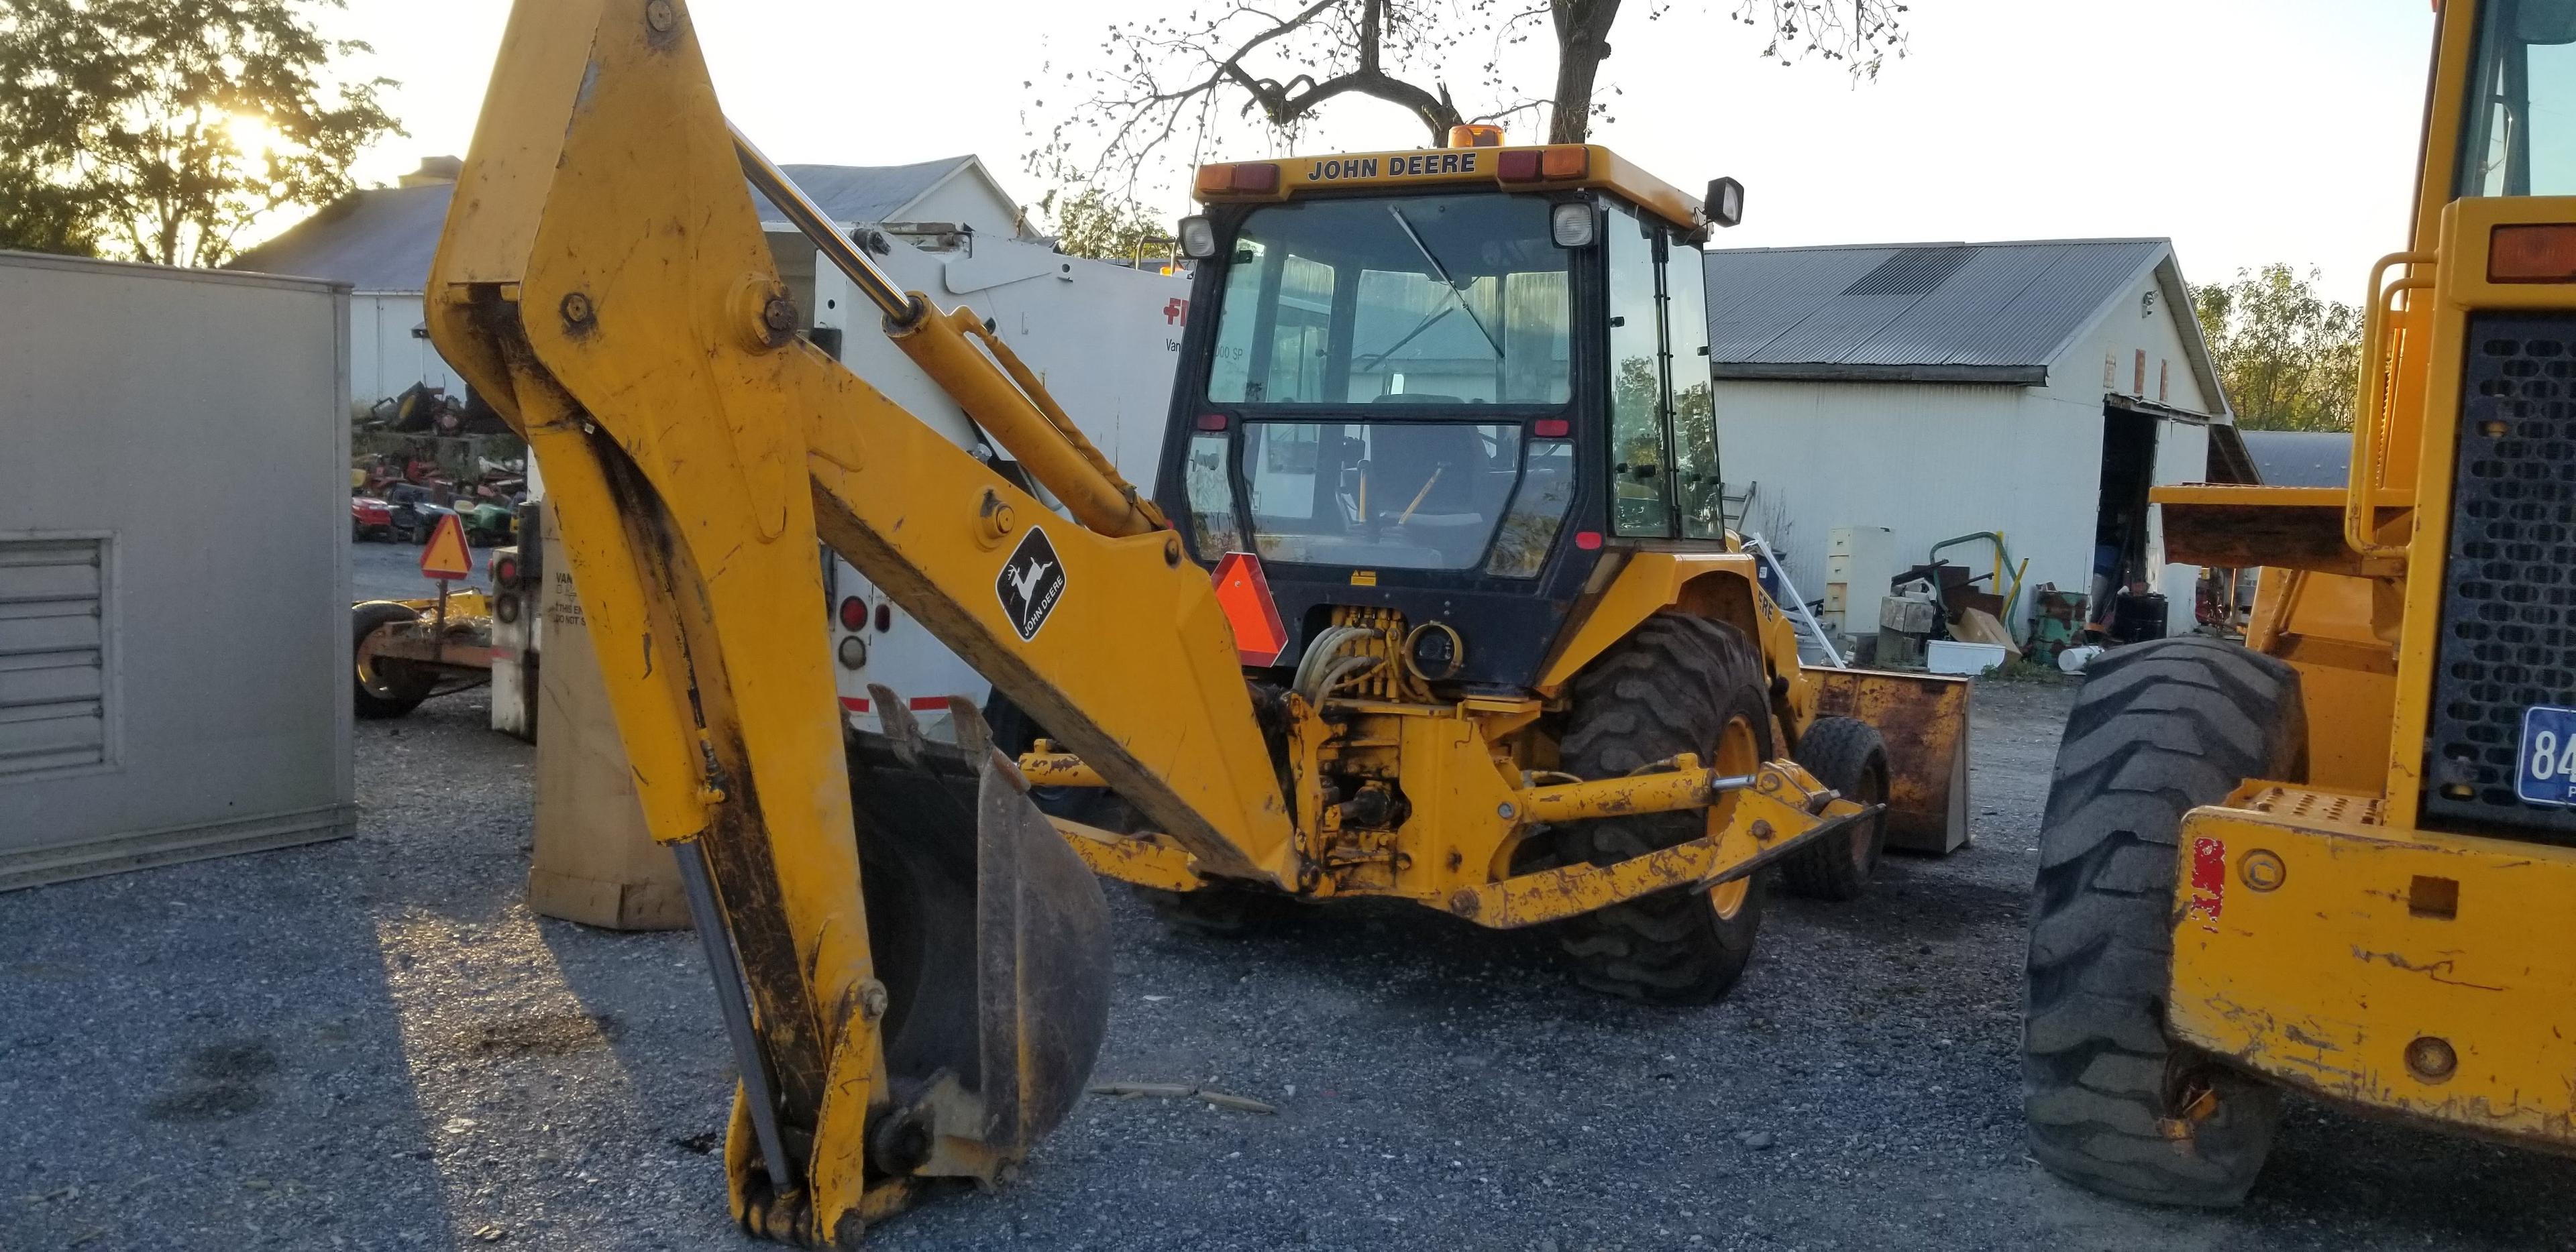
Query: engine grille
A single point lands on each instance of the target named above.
(2509, 598)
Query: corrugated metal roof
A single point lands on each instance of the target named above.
(863, 193)
(2300, 458)
(379, 240)
(1953, 312)
(384, 239)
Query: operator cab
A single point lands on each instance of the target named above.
(1445, 382)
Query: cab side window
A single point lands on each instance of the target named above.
(1696, 485)
(1641, 487)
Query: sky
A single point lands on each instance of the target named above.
(2248, 131)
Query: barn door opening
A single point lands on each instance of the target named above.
(2120, 519)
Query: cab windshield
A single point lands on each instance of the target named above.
(2522, 106)
(1427, 300)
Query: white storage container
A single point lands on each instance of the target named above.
(174, 565)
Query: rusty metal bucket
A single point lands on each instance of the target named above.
(1924, 719)
(992, 940)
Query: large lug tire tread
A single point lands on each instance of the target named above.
(2159, 729)
(1848, 755)
(1670, 687)
(404, 685)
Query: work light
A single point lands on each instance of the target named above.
(1571, 225)
(1198, 237)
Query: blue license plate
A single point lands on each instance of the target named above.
(2548, 771)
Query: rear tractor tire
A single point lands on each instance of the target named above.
(2113, 1103)
(1676, 684)
(1847, 755)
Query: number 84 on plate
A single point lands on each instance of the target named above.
(2547, 774)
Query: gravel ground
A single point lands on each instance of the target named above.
(373, 1044)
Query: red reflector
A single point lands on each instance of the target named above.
(2533, 254)
(1243, 591)
(1551, 427)
(1588, 540)
(854, 615)
(1516, 167)
(885, 618)
(1261, 176)
(1211, 421)
(1567, 162)
(505, 571)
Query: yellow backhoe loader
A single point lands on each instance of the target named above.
(1449, 615)
(2342, 858)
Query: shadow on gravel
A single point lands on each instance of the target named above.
(1921, 901)
(2408, 1189)
(1397, 962)
(2448, 1192)
(208, 1056)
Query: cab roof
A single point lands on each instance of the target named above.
(1550, 167)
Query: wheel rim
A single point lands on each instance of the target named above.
(1738, 753)
(373, 682)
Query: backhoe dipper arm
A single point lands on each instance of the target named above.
(604, 280)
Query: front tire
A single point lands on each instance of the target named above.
(1677, 684)
(2113, 1104)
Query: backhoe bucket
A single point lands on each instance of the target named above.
(1924, 720)
(992, 940)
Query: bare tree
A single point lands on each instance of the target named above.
(1169, 82)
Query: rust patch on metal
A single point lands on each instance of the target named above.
(1924, 720)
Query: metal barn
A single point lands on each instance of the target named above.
(2038, 390)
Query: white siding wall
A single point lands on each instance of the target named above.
(1928, 462)
(2116, 336)
(969, 200)
(384, 356)
(1931, 462)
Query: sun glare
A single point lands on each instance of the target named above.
(252, 135)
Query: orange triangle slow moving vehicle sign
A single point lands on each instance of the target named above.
(445, 556)
(1243, 591)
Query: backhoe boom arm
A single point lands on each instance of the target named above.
(604, 280)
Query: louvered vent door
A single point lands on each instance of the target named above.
(53, 654)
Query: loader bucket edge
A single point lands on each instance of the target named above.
(1924, 720)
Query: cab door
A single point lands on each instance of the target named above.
(1663, 436)
(1689, 394)
(1641, 462)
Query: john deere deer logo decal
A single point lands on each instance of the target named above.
(1030, 584)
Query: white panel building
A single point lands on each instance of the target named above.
(2036, 389)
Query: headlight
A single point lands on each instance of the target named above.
(1571, 225)
(1725, 202)
(1198, 237)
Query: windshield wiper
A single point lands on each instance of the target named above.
(1445, 281)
